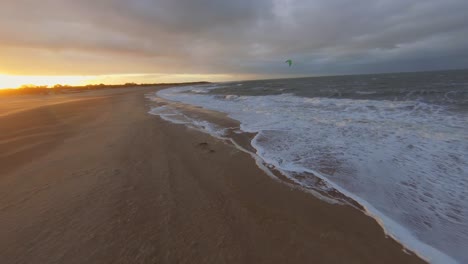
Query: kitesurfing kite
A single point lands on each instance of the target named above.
(289, 62)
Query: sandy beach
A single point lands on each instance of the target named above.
(94, 178)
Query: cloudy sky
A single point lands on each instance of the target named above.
(147, 40)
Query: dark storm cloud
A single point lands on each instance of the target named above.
(236, 37)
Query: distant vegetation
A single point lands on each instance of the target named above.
(66, 89)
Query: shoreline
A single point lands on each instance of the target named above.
(102, 181)
(333, 193)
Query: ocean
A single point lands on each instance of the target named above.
(396, 144)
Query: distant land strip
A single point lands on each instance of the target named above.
(67, 89)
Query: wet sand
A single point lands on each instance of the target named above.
(95, 179)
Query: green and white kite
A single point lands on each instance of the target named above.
(289, 62)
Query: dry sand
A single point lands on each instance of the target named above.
(93, 178)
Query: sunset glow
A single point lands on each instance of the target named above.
(13, 81)
(16, 81)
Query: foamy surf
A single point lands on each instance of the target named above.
(392, 157)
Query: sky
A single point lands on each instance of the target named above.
(112, 41)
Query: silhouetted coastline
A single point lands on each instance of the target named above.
(67, 89)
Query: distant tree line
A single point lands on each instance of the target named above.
(30, 89)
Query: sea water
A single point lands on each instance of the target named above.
(395, 143)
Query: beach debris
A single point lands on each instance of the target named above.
(205, 146)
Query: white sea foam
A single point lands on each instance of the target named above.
(172, 115)
(406, 162)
